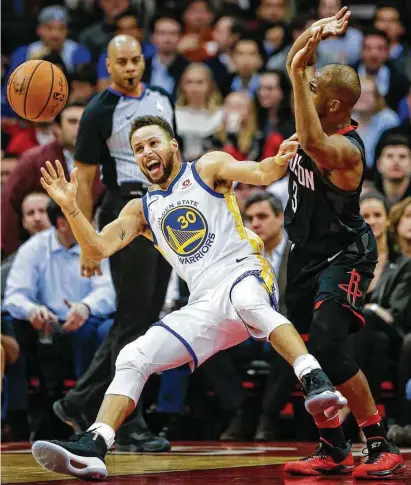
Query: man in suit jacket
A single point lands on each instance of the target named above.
(25, 178)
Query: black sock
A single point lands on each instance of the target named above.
(375, 432)
(333, 436)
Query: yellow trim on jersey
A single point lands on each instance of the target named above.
(267, 273)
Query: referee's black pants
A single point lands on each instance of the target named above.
(140, 276)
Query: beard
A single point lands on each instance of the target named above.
(167, 169)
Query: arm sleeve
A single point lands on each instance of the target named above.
(22, 282)
(102, 298)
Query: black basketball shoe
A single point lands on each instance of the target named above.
(319, 393)
(81, 456)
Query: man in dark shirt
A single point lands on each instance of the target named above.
(334, 252)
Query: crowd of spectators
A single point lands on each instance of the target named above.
(222, 63)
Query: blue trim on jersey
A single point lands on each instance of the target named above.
(169, 189)
(145, 209)
(121, 95)
(201, 182)
(181, 339)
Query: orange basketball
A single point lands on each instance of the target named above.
(37, 90)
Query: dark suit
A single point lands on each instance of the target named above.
(222, 76)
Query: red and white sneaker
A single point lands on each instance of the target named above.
(384, 461)
(326, 460)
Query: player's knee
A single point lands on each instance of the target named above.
(247, 300)
(133, 357)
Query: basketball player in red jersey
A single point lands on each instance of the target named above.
(334, 252)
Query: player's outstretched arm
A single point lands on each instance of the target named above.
(335, 25)
(218, 166)
(97, 246)
(328, 151)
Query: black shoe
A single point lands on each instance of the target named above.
(70, 415)
(81, 456)
(142, 441)
(319, 393)
(235, 430)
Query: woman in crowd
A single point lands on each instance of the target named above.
(388, 308)
(198, 109)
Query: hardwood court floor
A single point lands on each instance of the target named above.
(198, 463)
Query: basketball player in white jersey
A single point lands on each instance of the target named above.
(191, 215)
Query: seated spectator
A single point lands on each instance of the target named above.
(373, 118)
(394, 169)
(34, 135)
(248, 58)
(8, 164)
(198, 109)
(388, 19)
(388, 301)
(243, 192)
(237, 133)
(374, 62)
(226, 33)
(9, 352)
(166, 66)
(97, 36)
(83, 84)
(400, 433)
(275, 37)
(197, 17)
(127, 23)
(404, 108)
(273, 107)
(344, 49)
(400, 220)
(271, 11)
(52, 31)
(55, 310)
(26, 176)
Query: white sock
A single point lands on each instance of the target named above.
(104, 430)
(304, 365)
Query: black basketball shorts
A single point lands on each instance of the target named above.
(343, 276)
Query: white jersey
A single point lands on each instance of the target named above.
(201, 233)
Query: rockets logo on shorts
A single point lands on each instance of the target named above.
(186, 231)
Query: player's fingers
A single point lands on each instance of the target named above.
(60, 170)
(46, 175)
(51, 170)
(341, 12)
(45, 185)
(73, 176)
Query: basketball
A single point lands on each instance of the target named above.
(37, 90)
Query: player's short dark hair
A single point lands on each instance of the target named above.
(54, 212)
(262, 196)
(148, 120)
(377, 33)
(130, 12)
(345, 82)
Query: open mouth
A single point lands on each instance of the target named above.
(154, 167)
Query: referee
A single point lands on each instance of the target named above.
(140, 274)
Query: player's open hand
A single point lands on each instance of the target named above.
(336, 25)
(287, 150)
(56, 185)
(304, 55)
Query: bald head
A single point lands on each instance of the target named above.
(120, 42)
(341, 82)
(125, 63)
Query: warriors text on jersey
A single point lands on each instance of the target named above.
(201, 234)
(319, 215)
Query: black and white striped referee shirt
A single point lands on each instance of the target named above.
(103, 137)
